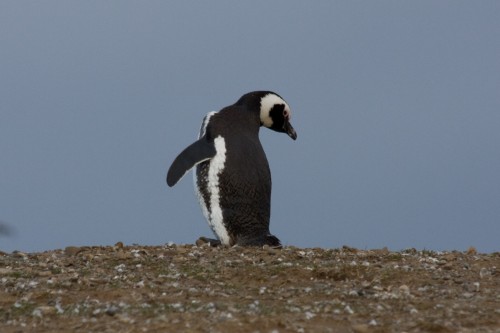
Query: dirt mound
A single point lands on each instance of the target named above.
(184, 288)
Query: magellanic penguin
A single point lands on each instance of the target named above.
(232, 177)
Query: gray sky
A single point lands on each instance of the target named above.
(396, 105)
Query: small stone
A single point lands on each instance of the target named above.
(484, 273)
(43, 310)
(124, 255)
(361, 328)
(309, 315)
(5, 271)
(270, 250)
(471, 287)
(448, 266)
(404, 290)
(72, 250)
(19, 254)
(112, 310)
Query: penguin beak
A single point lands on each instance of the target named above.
(288, 129)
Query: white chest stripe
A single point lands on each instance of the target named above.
(216, 219)
(203, 205)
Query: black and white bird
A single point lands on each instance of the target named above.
(232, 177)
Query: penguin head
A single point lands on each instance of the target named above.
(275, 114)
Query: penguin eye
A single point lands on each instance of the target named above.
(286, 114)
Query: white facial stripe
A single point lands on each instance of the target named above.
(266, 104)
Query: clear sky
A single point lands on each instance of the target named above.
(396, 105)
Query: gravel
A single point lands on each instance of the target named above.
(188, 288)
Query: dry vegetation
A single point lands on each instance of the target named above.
(185, 288)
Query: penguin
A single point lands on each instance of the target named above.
(232, 177)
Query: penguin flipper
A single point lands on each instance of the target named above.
(196, 153)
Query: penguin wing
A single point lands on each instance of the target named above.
(197, 152)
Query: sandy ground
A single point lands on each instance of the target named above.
(186, 288)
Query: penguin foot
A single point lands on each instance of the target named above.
(269, 240)
(210, 241)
